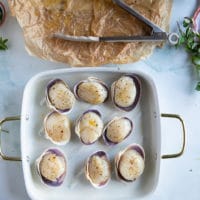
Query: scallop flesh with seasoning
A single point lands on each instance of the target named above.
(130, 163)
(57, 128)
(51, 167)
(89, 127)
(59, 96)
(125, 92)
(92, 90)
(117, 130)
(98, 169)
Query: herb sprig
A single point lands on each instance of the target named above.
(190, 40)
(3, 44)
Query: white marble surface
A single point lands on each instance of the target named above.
(174, 77)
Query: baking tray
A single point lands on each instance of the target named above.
(146, 132)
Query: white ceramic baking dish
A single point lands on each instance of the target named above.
(147, 132)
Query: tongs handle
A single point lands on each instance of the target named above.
(155, 37)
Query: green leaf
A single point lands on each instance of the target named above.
(5, 40)
(3, 45)
(189, 33)
(190, 40)
(2, 48)
(194, 45)
(196, 60)
(179, 28)
(198, 86)
(181, 40)
(197, 67)
(187, 22)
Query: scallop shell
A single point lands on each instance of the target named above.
(98, 169)
(59, 97)
(130, 163)
(126, 92)
(89, 126)
(57, 128)
(51, 167)
(92, 90)
(117, 130)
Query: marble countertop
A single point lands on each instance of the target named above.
(174, 76)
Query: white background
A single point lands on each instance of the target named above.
(175, 81)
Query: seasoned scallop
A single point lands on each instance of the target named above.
(89, 126)
(52, 167)
(98, 169)
(117, 130)
(130, 163)
(59, 96)
(125, 92)
(92, 90)
(57, 128)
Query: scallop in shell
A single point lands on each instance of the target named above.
(117, 130)
(125, 92)
(57, 128)
(130, 163)
(98, 169)
(89, 126)
(51, 167)
(59, 96)
(92, 90)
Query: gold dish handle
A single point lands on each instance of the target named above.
(2, 155)
(183, 131)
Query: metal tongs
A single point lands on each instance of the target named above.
(157, 34)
